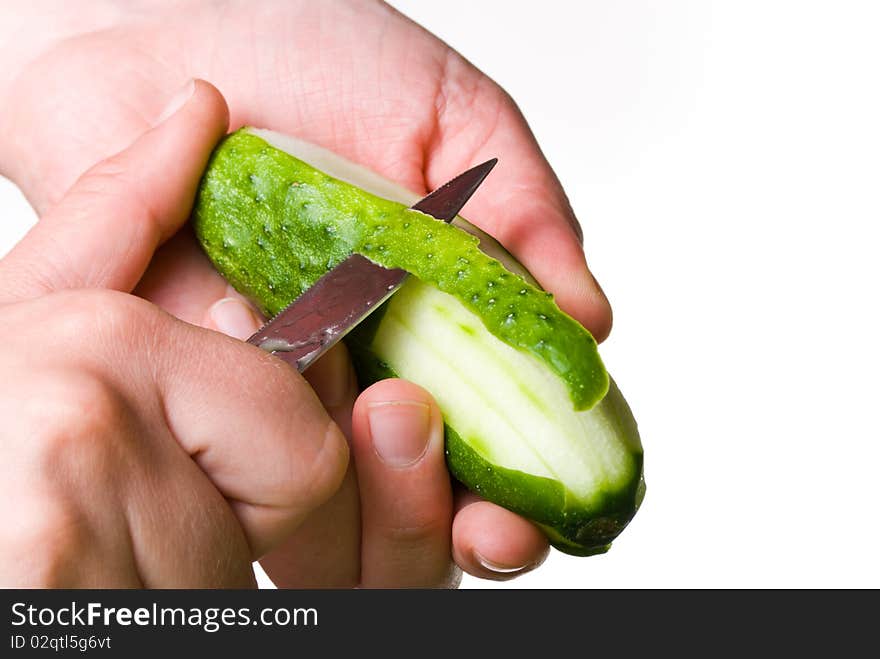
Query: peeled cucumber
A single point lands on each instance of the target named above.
(533, 421)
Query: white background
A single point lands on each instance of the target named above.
(724, 160)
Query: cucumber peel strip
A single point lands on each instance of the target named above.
(259, 188)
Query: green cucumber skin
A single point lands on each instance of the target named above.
(264, 219)
(244, 217)
(570, 527)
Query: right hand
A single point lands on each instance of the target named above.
(139, 450)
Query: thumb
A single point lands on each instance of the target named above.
(105, 230)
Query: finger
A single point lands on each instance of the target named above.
(406, 499)
(491, 542)
(522, 203)
(233, 316)
(105, 230)
(250, 422)
(325, 551)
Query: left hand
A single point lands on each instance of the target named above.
(83, 82)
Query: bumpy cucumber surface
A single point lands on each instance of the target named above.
(531, 420)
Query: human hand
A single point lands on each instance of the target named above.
(138, 450)
(364, 81)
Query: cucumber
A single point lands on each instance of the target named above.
(533, 421)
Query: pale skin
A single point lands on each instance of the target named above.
(141, 446)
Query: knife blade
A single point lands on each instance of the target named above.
(348, 293)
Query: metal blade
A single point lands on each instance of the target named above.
(445, 202)
(347, 294)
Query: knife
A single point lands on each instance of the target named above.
(342, 298)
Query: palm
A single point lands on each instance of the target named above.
(372, 98)
(355, 77)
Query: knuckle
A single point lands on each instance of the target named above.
(129, 309)
(79, 311)
(330, 463)
(105, 175)
(308, 479)
(45, 541)
(75, 317)
(80, 419)
(467, 99)
(96, 188)
(417, 531)
(107, 314)
(112, 180)
(111, 186)
(122, 316)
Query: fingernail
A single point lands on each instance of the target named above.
(498, 568)
(181, 96)
(233, 317)
(400, 430)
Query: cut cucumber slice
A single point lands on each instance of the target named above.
(532, 420)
